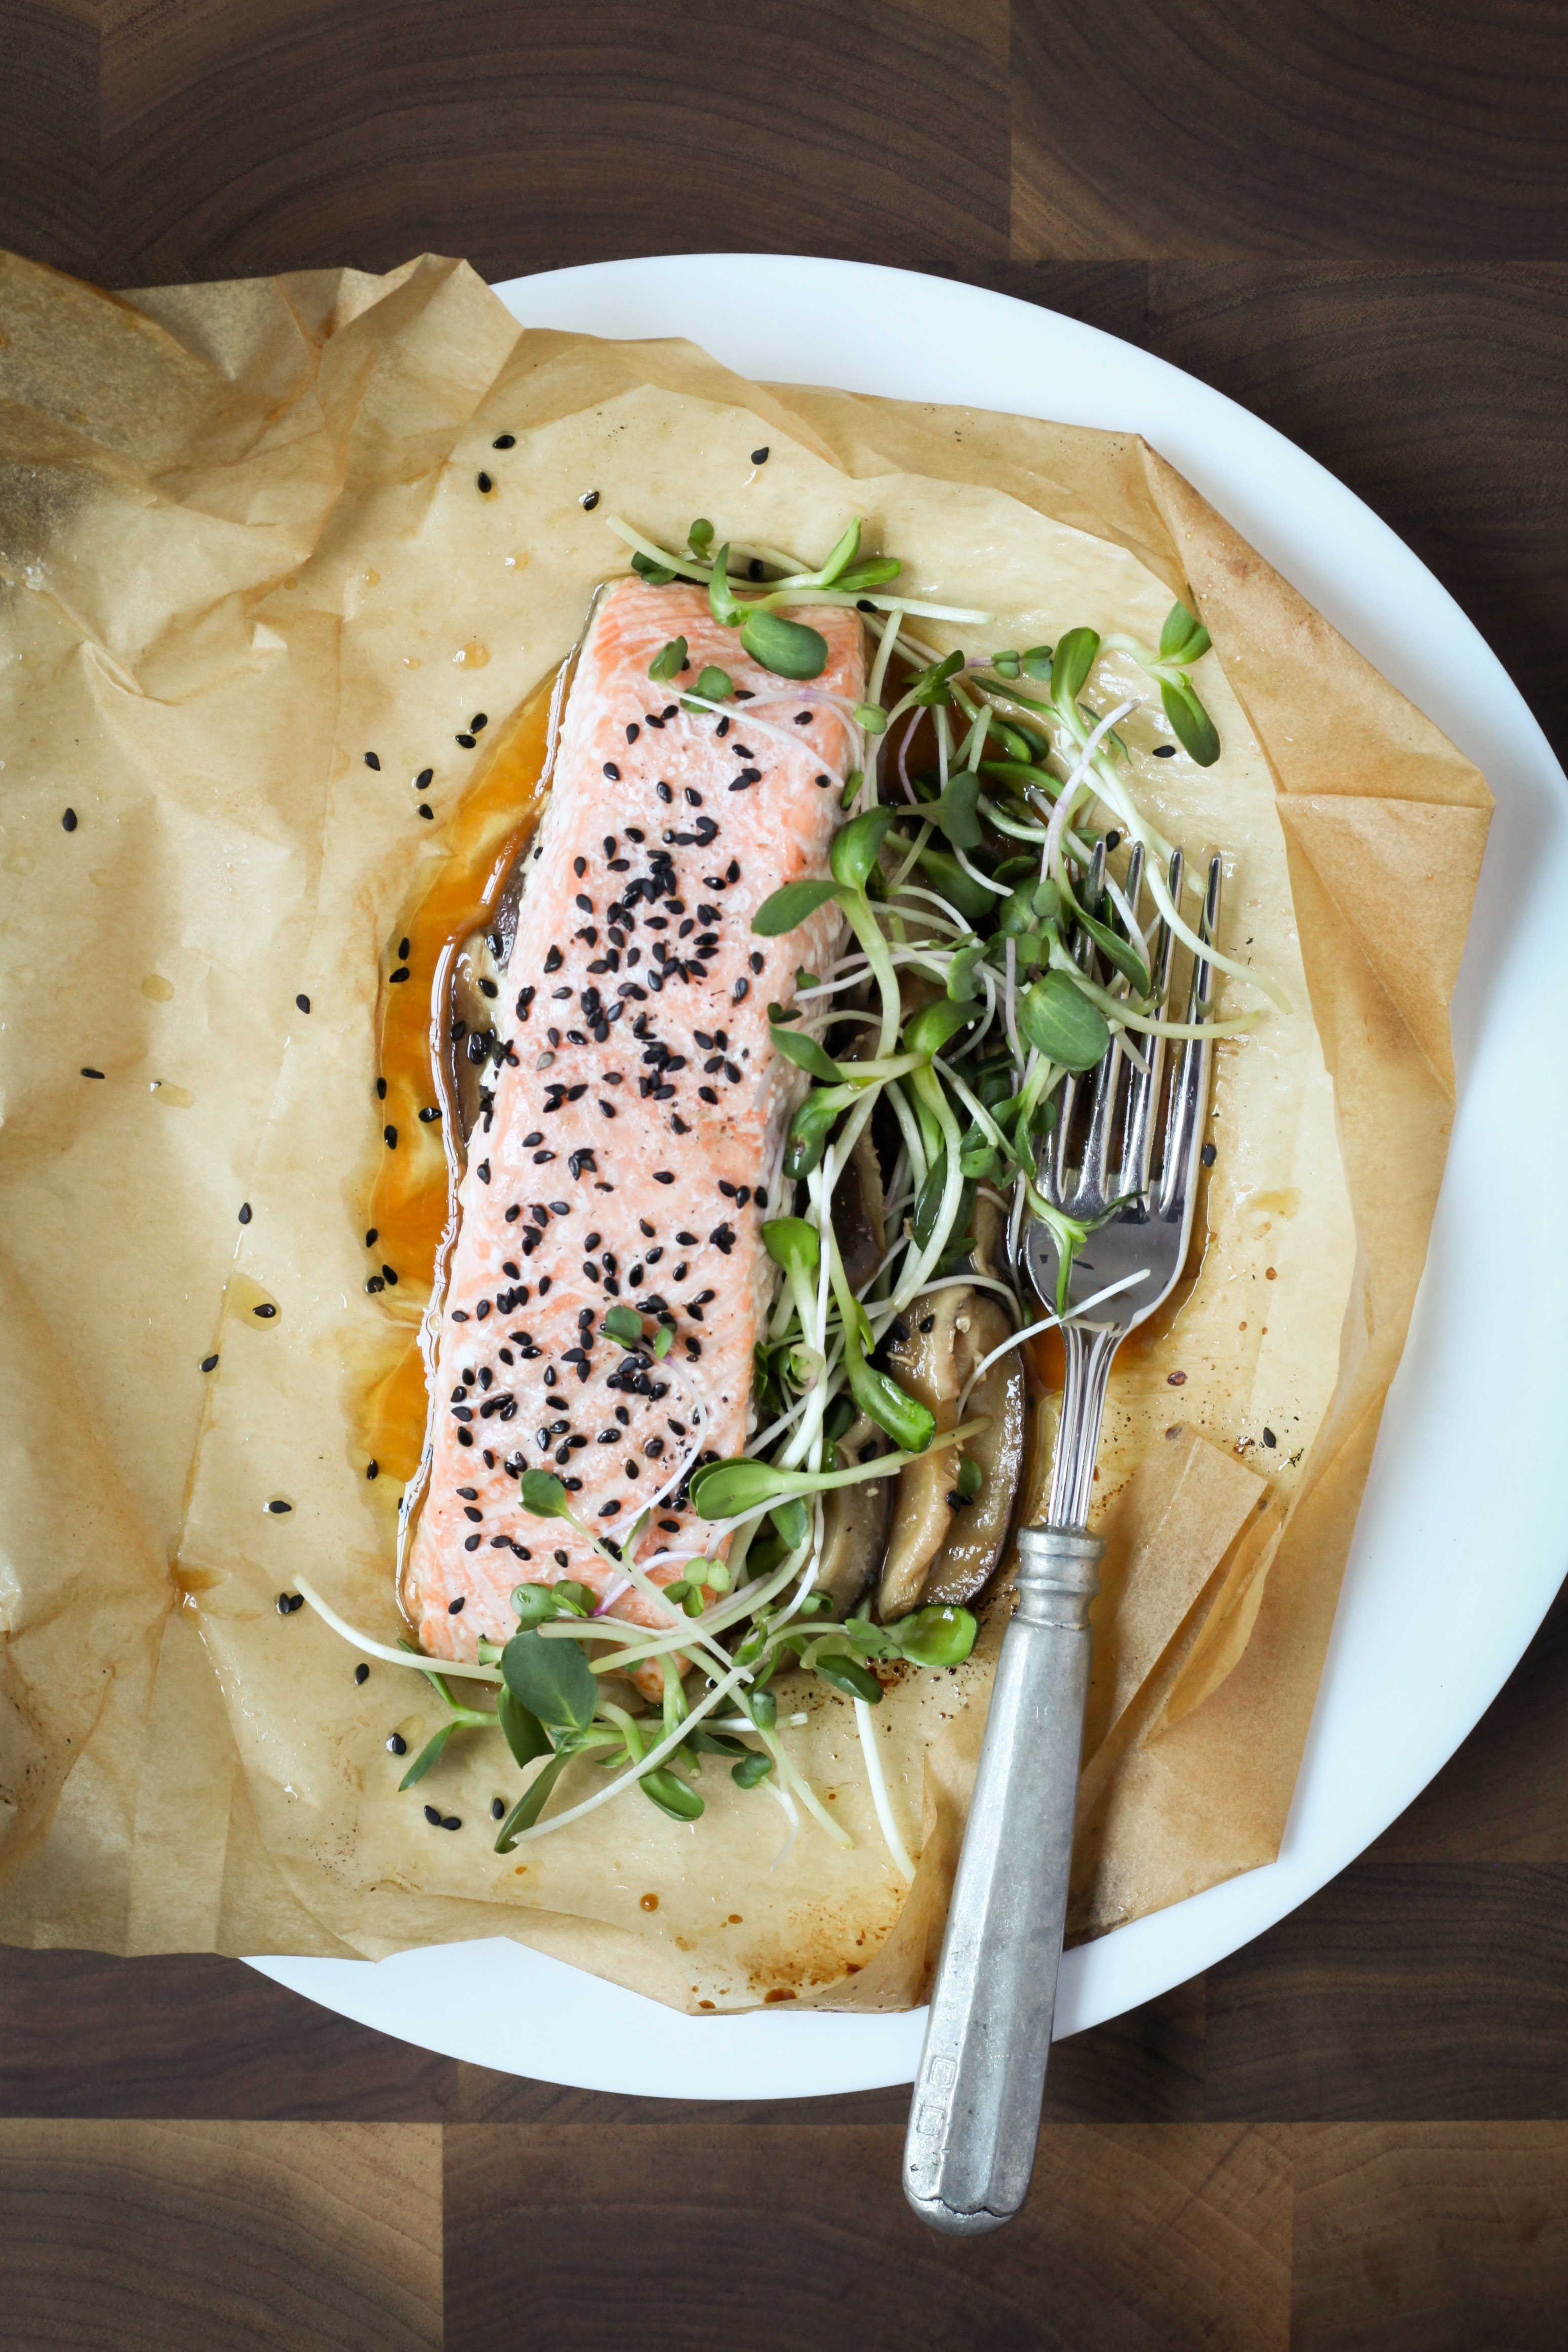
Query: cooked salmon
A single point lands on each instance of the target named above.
(632, 1149)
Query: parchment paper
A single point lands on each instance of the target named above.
(242, 544)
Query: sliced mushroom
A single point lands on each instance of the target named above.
(923, 1362)
(857, 1212)
(854, 1522)
(978, 1527)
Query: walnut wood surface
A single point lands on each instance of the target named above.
(1354, 219)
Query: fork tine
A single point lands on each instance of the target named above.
(1145, 1096)
(1082, 951)
(1189, 1087)
(1117, 1076)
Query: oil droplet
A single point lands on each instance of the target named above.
(521, 1870)
(252, 1303)
(517, 559)
(177, 1097)
(372, 579)
(472, 656)
(291, 583)
(410, 1728)
(18, 862)
(194, 1579)
(158, 989)
(649, 1902)
(411, 661)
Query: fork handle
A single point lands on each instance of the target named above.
(975, 2116)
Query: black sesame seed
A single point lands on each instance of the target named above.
(371, 760)
(1270, 1438)
(1165, 751)
(589, 501)
(613, 771)
(361, 1672)
(69, 820)
(455, 1608)
(468, 741)
(209, 1363)
(245, 1212)
(397, 1744)
(303, 1002)
(498, 1809)
(425, 779)
(662, 1176)
(426, 811)
(432, 1815)
(279, 1507)
(505, 441)
(759, 456)
(388, 1137)
(266, 1313)
(90, 1074)
(1208, 1155)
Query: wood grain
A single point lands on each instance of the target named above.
(1158, 2236)
(1430, 2238)
(1416, 130)
(299, 133)
(179, 2237)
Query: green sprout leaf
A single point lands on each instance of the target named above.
(1074, 661)
(552, 1679)
(963, 986)
(928, 1202)
(789, 648)
(525, 1734)
(855, 851)
(929, 686)
(1057, 1016)
(928, 1031)
(806, 1054)
(935, 1636)
(1111, 943)
(948, 878)
(872, 717)
(1190, 723)
(535, 1604)
(427, 1757)
(623, 1325)
(715, 684)
(845, 549)
(789, 907)
(663, 1340)
(671, 1794)
(723, 1490)
(753, 1769)
(700, 535)
(1183, 637)
(792, 1520)
(1037, 663)
(967, 1480)
(809, 1131)
(529, 1805)
(848, 1675)
(657, 575)
(957, 813)
(669, 660)
(911, 1425)
(543, 1495)
(874, 572)
(792, 1244)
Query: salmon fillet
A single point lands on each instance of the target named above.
(639, 1115)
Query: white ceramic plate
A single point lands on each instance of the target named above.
(1461, 1545)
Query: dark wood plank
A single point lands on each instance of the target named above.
(1439, 396)
(84, 2035)
(48, 132)
(290, 134)
(1162, 2237)
(1422, 130)
(169, 2237)
(1430, 2236)
(1402, 1992)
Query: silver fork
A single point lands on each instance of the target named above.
(975, 2116)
